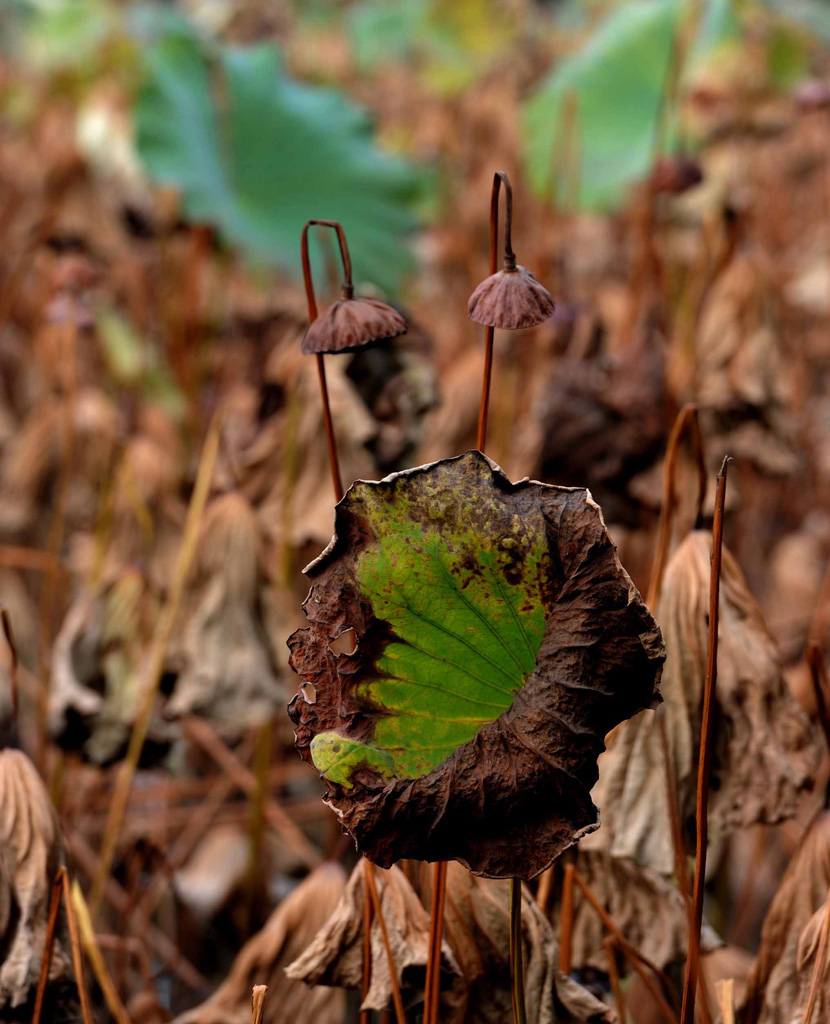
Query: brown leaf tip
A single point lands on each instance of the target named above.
(349, 324)
(510, 299)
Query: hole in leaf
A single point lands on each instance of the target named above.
(309, 693)
(345, 643)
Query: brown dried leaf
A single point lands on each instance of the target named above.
(263, 959)
(475, 973)
(498, 640)
(477, 928)
(220, 653)
(603, 424)
(775, 984)
(648, 910)
(765, 749)
(31, 851)
(335, 957)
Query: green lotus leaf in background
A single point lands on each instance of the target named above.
(257, 153)
(498, 640)
(615, 86)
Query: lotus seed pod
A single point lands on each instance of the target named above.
(350, 323)
(510, 299)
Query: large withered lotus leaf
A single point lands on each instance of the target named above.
(498, 639)
(349, 324)
(510, 299)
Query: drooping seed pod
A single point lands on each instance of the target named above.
(510, 298)
(347, 325)
(350, 324)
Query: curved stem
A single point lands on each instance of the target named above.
(687, 420)
(687, 1015)
(509, 264)
(347, 292)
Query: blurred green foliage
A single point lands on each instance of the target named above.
(450, 42)
(593, 126)
(257, 154)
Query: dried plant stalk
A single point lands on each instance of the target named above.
(161, 640)
(687, 1014)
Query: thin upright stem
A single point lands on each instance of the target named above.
(436, 932)
(336, 479)
(311, 299)
(566, 919)
(509, 264)
(704, 773)
(397, 999)
(516, 965)
(6, 624)
(48, 945)
(820, 965)
(75, 945)
(258, 994)
(687, 421)
(818, 677)
(365, 1015)
(610, 947)
(161, 639)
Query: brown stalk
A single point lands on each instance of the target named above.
(258, 994)
(131, 945)
(498, 178)
(369, 875)
(7, 632)
(57, 530)
(637, 959)
(818, 676)
(516, 965)
(544, 890)
(62, 880)
(256, 812)
(365, 1015)
(820, 966)
(687, 420)
(336, 479)
(665, 1010)
(705, 758)
(680, 869)
(118, 898)
(158, 652)
(198, 731)
(436, 930)
(611, 956)
(48, 946)
(99, 967)
(566, 919)
(198, 821)
(15, 556)
(725, 994)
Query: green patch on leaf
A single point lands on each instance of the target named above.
(465, 608)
